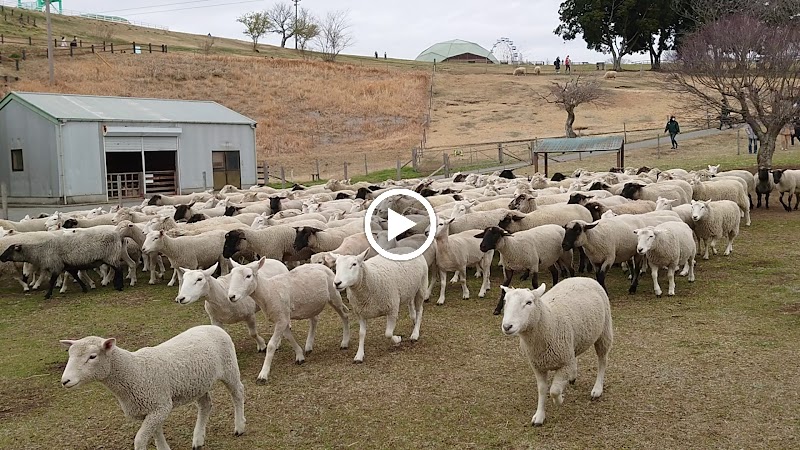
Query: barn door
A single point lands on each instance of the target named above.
(226, 169)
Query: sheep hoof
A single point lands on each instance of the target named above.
(197, 448)
(300, 362)
(342, 347)
(358, 361)
(572, 381)
(308, 352)
(261, 381)
(238, 433)
(497, 312)
(262, 350)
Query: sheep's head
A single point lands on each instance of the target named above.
(777, 174)
(88, 360)
(646, 238)
(13, 253)
(155, 200)
(183, 212)
(631, 190)
(54, 221)
(194, 285)
(490, 237)
(700, 209)
(522, 309)
(305, 237)
(576, 198)
(713, 170)
(243, 279)
(235, 241)
(574, 234)
(523, 202)
(348, 269)
(663, 204)
(152, 243)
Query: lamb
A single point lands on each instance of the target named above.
(669, 245)
(527, 250)
(129, 230)
(555, 214)
(455, 252)
(150, 382)
(275, 242)
(744, 175)
(764, 185)
(713, 220)
(723, 190)
(537, 70)
(190, 252)
(25, 225)
(201, 283)
(377, 287)
(519, 71)
(557, 326)
(787, 181)
(299, 294)
(635, 190)
(597, 208)
(478, 221)
(72, 252)
(610, 74)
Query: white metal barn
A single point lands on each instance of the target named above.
(57, 148)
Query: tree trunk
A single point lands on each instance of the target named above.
(570, 120)
(255, 45)
(616, 60)
(656, 63)
(284, 38)
(765, 151)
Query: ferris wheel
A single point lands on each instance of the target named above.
(506, 51)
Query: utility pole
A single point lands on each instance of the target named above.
(295, 22)
(50, 48)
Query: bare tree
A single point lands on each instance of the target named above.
(206, 43)
(256, 25)
(334, 35)
(752, 63)
(572, 93)
(281, 18)
(305, 30)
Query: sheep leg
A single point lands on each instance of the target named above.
(160, 439)
(76, 276)
(691, 269)
(583, 261)
(671, 279)
(654, 274)
(274, 342)
(731, 236)
(797, 201)
(419, 301)
(299, 355)
(312, 331)
(150, 426)
(705, 244)
(464, 288)
(236, 389)
(455, 278)
(554, 273)
(87, 279)
(442, 287)
(541, 385)
(174, 278)
(766, 199)
(119, 281)
(500, 303)
(758, 195)
(25, 287)
(412, 311)
(535, 278)
(486, 266)
(62, 280)
(713, 244)
(600, 275)
(637, 262)
(203, 412)
(785, 206)
(391, 322)
(559, 383)
(342, 310)
(362, 335)
(252, 329)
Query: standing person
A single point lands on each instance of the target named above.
(557, 64)
(786, 133)
(63, 42)
(74, 42)
(384, 55)
(752, 139)
(567, 64)
(673, 129)
(376, 54)
(796, 134)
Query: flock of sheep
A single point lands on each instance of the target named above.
(289, 253)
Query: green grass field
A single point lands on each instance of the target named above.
(713, 367)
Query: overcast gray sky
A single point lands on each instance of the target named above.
(402, 29)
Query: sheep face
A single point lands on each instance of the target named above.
(523, 203)
(13, 253)
(275, 203)
(70, 223)
(348, 269)
(259, 222)
(664, 204)
(194, 285)
(575, 234)
(631, 190)
(646, 239)
(576, 198)
(522, 309)
(490, 237)
(713, 170)
(183, 212)
(235, 241)
(88, 360)
(155, 200)
(306, 237)
(777, 175)
(699, 210)
(243, 279)
(122, 214)
(53, 221)
(231, 210)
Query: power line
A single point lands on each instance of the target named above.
(191, 7)
(154, 6)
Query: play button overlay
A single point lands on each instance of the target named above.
(398, 224)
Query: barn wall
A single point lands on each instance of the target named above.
(22, 128)
(84, 160)
(198, 141)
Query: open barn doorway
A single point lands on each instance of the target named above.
(227, 169)
(124, 175)
(159, 168)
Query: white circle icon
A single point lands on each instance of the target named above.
(397, 224)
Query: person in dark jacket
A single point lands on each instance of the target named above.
(796, 134)
(557, 64)
(673, 129)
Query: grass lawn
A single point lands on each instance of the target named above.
(713, 367)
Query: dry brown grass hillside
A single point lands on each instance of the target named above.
(305, 109)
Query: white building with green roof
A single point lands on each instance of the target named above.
(457, 50)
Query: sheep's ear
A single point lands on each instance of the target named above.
(636, 232)
(192, 204)
(480, 235)
(540, 290)
(66, 343)
(589, 226)
(234, 263)
(109, 344)
(335, 256)
(505, 289)
(451, 220)
(210, 271)
(181, 270)
(506, 233)
(363, 255)
(261, 263)
(161, 232)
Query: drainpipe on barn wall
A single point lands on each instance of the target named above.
(60, 150)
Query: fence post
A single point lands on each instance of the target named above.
(92, 48)
(283, 178)
(319, 177)
(205, 182)
(30, 41)
(500, 153)
(658, 146)
(16, 62)
(345, 170)
(119, 190)
(266, 173)
(4, 199)
(366, 170)
(80, 43)
(55, 42)
(738, 142)
(531, 146)
(446, 162)
(150, 48)
(624, 133)
(112, 47)
(399, 176)
(414, 163)
(70, 51)
(133, 47)
(24, 55)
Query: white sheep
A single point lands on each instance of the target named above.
(733, 190)
(669, 245)
(528, 250)
(610, 74)
(189, 252)
(713, 220)
(537, 70)
(553, 214)
(200, 283)
(557, 326)
(787, 181)
(300, 294)
(150, 382)
(456, 252)
(519, 71)
(597, 208)
(378, 287)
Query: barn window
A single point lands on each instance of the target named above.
(16, 160)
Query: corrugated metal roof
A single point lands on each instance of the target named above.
(126, 109)
(448, 49)
(580, 144)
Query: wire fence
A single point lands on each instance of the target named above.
(32, 6)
